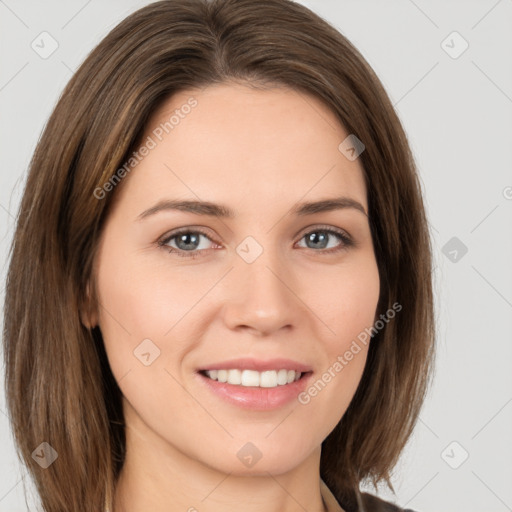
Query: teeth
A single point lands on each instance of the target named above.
(234, 377)
(282, 377)
(252, 378)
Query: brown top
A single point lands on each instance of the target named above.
(364, 502)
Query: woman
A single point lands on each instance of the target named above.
(219, 294)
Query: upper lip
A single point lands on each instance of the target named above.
(258, 365)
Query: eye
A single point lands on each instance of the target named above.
(186, 241)
(323, 238)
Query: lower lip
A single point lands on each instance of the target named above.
(256, 398)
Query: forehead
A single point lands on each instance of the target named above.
(233, 142)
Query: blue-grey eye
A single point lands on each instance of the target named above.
(188, 241)
(324, 239)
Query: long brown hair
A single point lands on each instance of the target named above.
(60, 389)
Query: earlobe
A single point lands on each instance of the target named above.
(88, 310)
(87, 320)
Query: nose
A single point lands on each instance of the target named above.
(261, 297)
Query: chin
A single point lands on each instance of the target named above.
(258, 458)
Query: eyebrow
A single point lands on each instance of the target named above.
(222, 211)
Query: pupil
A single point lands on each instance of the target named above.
(319, 237)
(187, 244)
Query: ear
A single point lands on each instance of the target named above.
(88, 309)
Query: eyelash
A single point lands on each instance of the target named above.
(347, 242)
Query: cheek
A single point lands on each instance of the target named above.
(141, 301)
(345, 299)
(149, 295)
(125, 304)
(346, 302)
(138, 307)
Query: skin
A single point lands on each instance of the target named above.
(259, 153)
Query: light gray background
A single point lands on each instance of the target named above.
(457, 113)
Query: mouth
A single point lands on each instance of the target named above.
(256, 384)
(254, 390)
(254, 378)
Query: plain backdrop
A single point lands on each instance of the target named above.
(447, 68)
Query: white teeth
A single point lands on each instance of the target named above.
(268, 379)
(235, 377)
(252, 378)
(282, 377)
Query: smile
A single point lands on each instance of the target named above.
(253, 378)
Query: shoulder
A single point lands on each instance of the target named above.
(374, 504)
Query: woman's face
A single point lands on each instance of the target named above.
(272, 287)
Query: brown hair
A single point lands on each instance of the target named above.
(59, 385)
